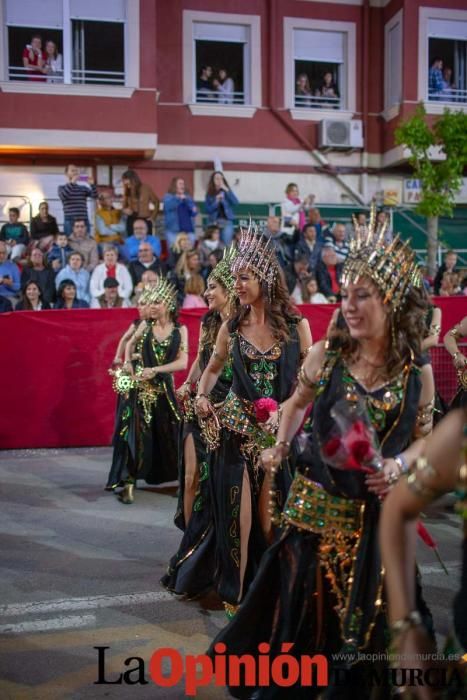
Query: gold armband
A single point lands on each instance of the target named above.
(424, 419)
(434, 329)
(305, 352)
(305, 380)
(416, 479)
(455, 332)
(216, 356)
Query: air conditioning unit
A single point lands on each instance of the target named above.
(340, 134)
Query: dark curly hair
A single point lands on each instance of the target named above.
(409, 329)
(280, 311)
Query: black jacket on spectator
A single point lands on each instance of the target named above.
(304, 250)
(5, 305)
(22, 307)
(45, 279)
(42, 229)
(136, 269)
(323, 278)
(439, 278)
(76, 304)
(291, 278)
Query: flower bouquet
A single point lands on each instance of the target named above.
(264, 408)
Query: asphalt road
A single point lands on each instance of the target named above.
(80, 570)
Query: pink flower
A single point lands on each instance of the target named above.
(264, 408)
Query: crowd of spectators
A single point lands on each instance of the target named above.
(47, 268)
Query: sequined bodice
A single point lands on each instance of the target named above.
(262, 367)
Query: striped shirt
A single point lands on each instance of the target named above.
(74, 198)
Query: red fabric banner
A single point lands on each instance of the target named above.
(56, 390)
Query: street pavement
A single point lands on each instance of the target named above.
(80, 570)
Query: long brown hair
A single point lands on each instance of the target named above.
(135, 183)
(279, 310)
(173, 185)
(406, 332)
(211, 186)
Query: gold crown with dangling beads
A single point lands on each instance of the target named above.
(164, 291)
(392, 267)
(257, 253)
(222, 273)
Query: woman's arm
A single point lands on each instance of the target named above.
(179, 364)
(231, 198)
(122, 343)
(211, 204)
(450, 342)
(213, 370)
(434, 331)
(306, 339)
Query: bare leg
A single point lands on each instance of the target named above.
(245, 527)
(263, 508)
(191, 477)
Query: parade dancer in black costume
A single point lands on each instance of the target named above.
(319, 587)
(459, 361)
(191, 569)
(264, 342)
(161, 346)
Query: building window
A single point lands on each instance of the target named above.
(442, 60)
(66, 41)
(393, 63)
(319, 68)
(221, 61)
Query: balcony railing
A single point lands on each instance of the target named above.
(449, 95)
(78, 76)
(220, 98)
(317, 102)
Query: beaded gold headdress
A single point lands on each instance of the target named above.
(392, 267)
(257, 253)
(223, 271)
(145, 296)
(163, 291)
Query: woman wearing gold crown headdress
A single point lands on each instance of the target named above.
(264, 342)
(441, 469)
(162, 350)
(319, 586)
(191, 569)
(124, 451)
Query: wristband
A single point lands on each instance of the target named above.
(282, 443)
(413, 619)
(201, 396)
(402, 462)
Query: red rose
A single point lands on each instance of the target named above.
(264, 408)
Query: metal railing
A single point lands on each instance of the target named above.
(448, 95)
(220, 98)
(317, 102)
(78, 76)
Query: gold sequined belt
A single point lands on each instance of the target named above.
(309, 507)
(238, 415)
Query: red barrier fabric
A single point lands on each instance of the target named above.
(56, 390)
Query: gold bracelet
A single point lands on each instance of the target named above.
(306, 381)
(413, 619)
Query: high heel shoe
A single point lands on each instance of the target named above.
(127, 496)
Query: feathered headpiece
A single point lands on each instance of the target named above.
(222, 273)
(163, 291)
(392, 267)
(257, 253)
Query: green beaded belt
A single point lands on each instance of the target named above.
(309, 507)
(238, 415)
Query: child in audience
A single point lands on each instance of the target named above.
(194, 291)
(59, 252)
(310, 293)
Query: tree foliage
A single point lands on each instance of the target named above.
(440, 179)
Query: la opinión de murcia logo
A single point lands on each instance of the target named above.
(284, 670)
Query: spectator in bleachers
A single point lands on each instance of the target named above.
(308, 246)
(74, 198)
(59, 252)
(110, 298)
(214, 258)
(146, 261)
(67, 296)
(5, 305)
(149, 278)
(9, 275)
(139, 201)
(211, 242)
(15, 235)
(450, 285)
(37, 270)
(360, 217)
(194, 291)
(179, 211)
(188, 264)
(43, 227)
(85, 245)
(181, 245)
(111, 268)
(336, 238)
(328, 274)
(109, 227)
(293, 211)
(34, 58)
(140, 234)
(314, 217)
(220, 203)
(383, 217)
(32, 298)
(279, 240)
(449, 265)
(295, 273)
(310, 293)
(74, 271)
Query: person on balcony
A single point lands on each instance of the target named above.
(34, 58)
(328, 91)
(302, 91)
(225, 88)
(435, 79)
(53, 66)
(204, 87)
